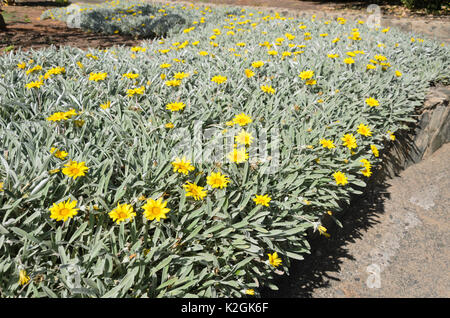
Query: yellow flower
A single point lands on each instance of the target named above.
(174, 107)
(238, 155)
(203, 53)
(366, 172)
(257, 64)
(327, 143)
(193, 190)
(34, 84)
(74, 169)
(1, 186)
(134, 91)
(22, 65)
(54, 71)
(289, 36)
(370, 67)
(182, 165)
(155, 209)
(249, 73)
(173, 83)
(372, 102)
(23, 277)
(391, 136)
(262, 199)
(364, 130)
(89, 55)
(97, 76)
(188, 30)
(311, 82)
(244, 138)
(336, 40)
(355, 36)
(181, 75)
(122, 212)
(333, 56)
(250, 292)
(366, 163)
(219, 79)
(165, 65)
(106, 105)
(340, 178)
(349, 141)
(242, 119)
(374, 150)
(169, 125)
(71, 112)
(268, 89)
(58, 153)
(217, 180)
(130, 75)
(34, 69)
(323, 231)
(398, 73)
(63, 210)
(274, 260)
(349, 60)
(380, 57)
(304, 75)
(367, 166)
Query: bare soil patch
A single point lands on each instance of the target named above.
(26, 31)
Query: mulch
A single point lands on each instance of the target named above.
(26, 31)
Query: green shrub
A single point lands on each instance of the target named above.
(315, 86)
(424, 4)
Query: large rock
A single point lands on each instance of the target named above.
(431, 131)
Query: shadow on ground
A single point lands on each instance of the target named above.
(364, 211)
(327, 253)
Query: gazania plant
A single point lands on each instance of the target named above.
(197, 164)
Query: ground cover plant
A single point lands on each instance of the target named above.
(195, 165)
(140, 19)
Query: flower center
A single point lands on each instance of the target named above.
(64, 211)
(123, 215)
(155, 210)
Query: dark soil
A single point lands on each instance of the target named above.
(26, 31)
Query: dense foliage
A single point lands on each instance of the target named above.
(194, 165)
